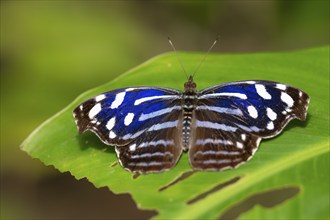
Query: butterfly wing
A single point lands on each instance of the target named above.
(231, 119)
(259, 107)
(131, 119)
(158, 149)
(218, 144)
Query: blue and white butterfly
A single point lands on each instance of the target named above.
(221, 126)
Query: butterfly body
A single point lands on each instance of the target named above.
(189, 103)
(220, 126)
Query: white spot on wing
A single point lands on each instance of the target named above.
(250, 82)
(99, 97)
(252, 111)
(111, 123)
(132, 147)
(129, 89)
(94, 111)
(261, 90)
(128, 119)
(287, 99)
(118, 100)
(112, 135)
(281, 86)
(243, 136)
(270, 125)
(239, 145)
(271, 114)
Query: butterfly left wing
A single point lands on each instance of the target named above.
(157, 150)
(231, 119)
(136, 121)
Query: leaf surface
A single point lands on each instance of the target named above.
(296, 160)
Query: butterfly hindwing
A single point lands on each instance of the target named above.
(217, 144)
(158, 149)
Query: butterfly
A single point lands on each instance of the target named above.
(221, 126)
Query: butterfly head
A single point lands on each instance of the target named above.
(190, 86)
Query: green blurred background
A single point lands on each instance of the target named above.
(53, 51)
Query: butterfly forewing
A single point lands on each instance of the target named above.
(262, 108)
(120, 116)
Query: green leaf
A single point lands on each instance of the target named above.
(289, 175)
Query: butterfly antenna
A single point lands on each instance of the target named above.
(177, 56)
(207, 53)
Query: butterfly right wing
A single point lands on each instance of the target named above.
(217, 144)
(141, 122)
(231, 119)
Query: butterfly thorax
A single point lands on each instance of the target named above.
(189, 99)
